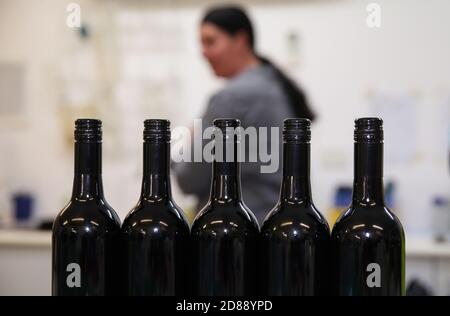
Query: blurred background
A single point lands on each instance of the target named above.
(132, 60)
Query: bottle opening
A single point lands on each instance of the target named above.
(88, 130)
(157, 130)
(223, 123)
(369, 130)
(228, 130)
(297, 130)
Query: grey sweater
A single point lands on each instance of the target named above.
(257, 99)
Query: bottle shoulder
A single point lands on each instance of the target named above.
(87, 215)
(298, 219)
(166, 215)
(90, 210)
(230, 217)
(364, 221)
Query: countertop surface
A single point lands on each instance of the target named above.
(25, 238)
(426, 247)
(415, 246)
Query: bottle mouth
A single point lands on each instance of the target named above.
(227, 129)
(369, 130)
(88, 130)
(223, 123)
(157, 130)
(297, 130)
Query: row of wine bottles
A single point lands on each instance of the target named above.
(225, 253)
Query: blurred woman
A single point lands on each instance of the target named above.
(257, 93)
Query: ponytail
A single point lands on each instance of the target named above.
(295, 95)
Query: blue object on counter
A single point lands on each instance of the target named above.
(440, 201)
(23, 206)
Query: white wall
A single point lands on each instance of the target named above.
(341, 62)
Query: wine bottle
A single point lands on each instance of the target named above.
(225, 233)
(155, 233)
(295, 237)
(85, 254)
(368, 242)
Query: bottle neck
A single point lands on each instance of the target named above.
(87, 183)
(296, 184)
(368, 182)
(226, 178)
(156, 185)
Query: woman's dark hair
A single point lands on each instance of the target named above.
(233, 20)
